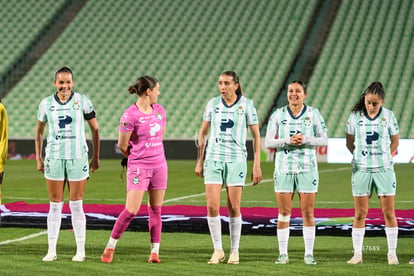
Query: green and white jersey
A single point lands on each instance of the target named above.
(228, 128)
(66, 129)
(372, 140)
(282, 125)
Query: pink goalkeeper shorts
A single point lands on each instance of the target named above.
(146, 179)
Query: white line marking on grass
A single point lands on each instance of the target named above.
(248, 184)
(24, 238)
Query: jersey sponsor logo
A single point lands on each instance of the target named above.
(154, 128)
(371, 137)
(64, 120)
(225, 124)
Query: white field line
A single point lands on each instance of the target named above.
(31, 236)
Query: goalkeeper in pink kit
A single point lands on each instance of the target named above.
(141, 131)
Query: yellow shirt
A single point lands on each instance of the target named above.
(4, 124)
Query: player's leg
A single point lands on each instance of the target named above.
(156, 198)
(307, 185)
(213, 192)
(156, 192)
(234, 194)
(358, 227)
(284, 203)
(55, 176)
(235, 177)
(137, 185)
(77, 171)
(362, 186)
(307, 201)
(391, 227)
(386, 185)
(213, 181)
(78, 219)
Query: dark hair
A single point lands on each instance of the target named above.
(374, 88)
(235, 79)
(301, 83)
(63, 69)
(142, 84)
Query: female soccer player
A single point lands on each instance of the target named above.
(228, 116)
(371, 137)
(141, 131)
(294, 131)
(66, 156)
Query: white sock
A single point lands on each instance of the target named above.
(54, 220)
(111, 243)
(155, 247)
(392, 236)
(79, 225)
(309, 239)
(358, 239)
(214, 224)
(283, 240)
(235, 226)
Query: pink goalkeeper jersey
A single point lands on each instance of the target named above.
(147, 148)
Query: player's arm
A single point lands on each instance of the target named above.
(395, 140)
(257, 171)
(350, 142)
(201, 146)
(123, 142)
(40, 128)
(93, 125)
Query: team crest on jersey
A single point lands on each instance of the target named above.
(76, 105)
(135, 180)
(384, 122)
(308, 121)
(159, 116)
(240, 110)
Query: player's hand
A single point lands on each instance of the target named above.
(199, 170)
(256, 175)
(40, 166)
(94, 165)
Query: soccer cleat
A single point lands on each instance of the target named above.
(49, 257)
(411, 261)
(107, 255)
(234, 258)
(282, 259)
(393, 260)
(309, 260)
(153, 258)
(78, 258)
(218, 257)
(356, 259)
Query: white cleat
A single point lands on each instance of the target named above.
(218, 257)
(234, 258)
(393, 260)
(78, 258)
(356, 259)
(49, 257)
